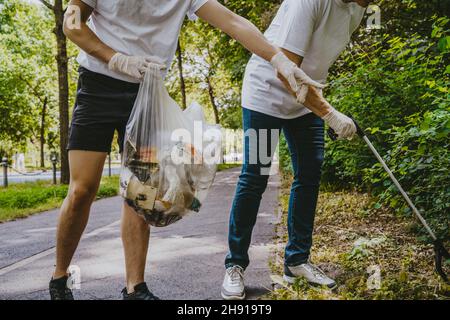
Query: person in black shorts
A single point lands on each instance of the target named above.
(103, 106)
(117, 45)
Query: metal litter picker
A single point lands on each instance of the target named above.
(439, 249)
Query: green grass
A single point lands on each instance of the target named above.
(21, 200)
(350, 235)
(226, 166)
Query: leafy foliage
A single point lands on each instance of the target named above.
(26, 72)
(28, 76)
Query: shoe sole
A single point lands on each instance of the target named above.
(230, 298)
(291, 280)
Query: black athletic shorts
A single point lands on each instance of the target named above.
(103, 105)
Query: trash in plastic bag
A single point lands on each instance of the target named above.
(170, 155)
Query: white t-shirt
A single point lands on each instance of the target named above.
(317, 30)
(137, 27)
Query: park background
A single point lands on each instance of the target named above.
(393, 78)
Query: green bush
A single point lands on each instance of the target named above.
(420, 158)
(285, 156)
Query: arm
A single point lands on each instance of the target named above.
(314, 100)
(286, 63)
(83, 36)
(131, 66)
(251, 38)
(340, 123)
(238, 28)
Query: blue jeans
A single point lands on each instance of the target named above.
(305, 138)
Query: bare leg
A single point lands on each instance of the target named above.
(85, 173)
(135, 238)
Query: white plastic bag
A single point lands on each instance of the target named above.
(170, 155)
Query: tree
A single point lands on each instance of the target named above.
(43, 99)
(63, 84)
(180, 69)
(42, 131)
(26, 76)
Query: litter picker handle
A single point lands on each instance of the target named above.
(333, 136)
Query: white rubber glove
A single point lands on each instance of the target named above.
(296, 77)
(342, 125)
(133, 66)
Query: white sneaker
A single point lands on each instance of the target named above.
(233, 284)
(310, 272)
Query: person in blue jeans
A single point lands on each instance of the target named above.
(305, 138)
(312, 33)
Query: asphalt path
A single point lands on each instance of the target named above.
(185, 260)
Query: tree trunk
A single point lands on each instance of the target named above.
(180, 68)
(213, 100)
(62, 62)
(42, 133)
(212, 97)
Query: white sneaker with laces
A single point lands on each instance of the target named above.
(310, 272)
(233, 284)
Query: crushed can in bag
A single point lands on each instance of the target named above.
(170, 155)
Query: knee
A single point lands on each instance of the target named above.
(316, 163)
(309, 173)
(81, 195)
(253, 182)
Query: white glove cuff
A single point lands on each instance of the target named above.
(329, 116)
(303, 93)
(279, 60)
(112, 64)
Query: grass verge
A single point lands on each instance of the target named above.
(24, 199)
(352, 240)
(226, 166)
